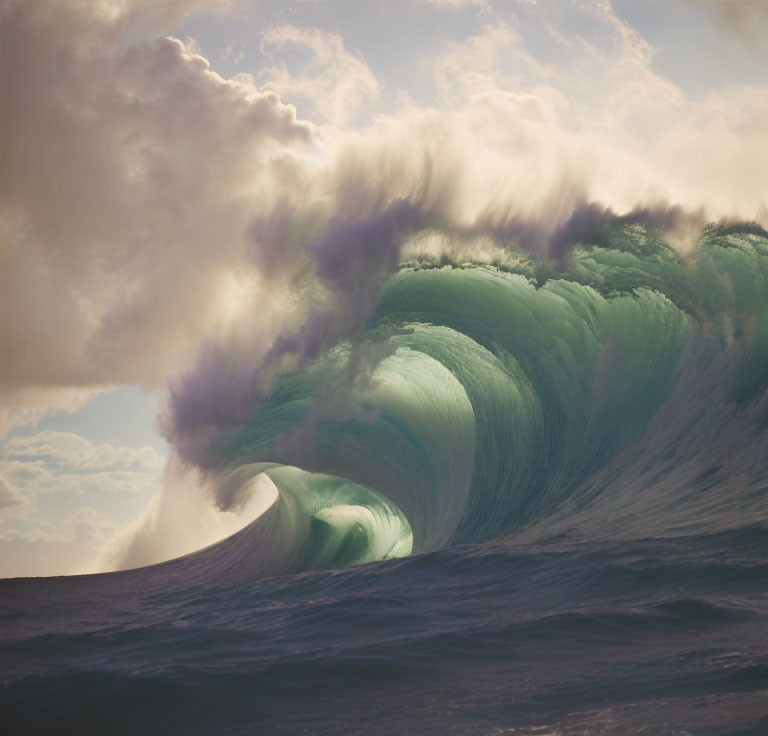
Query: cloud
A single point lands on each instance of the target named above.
(10, 496)
(336, 83)
(33, 535)
(66, 494)
(22, 405)
(50, 463)
(36, 547)
(129, 173)
(457, 4)
(91, 527)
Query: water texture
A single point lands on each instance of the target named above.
(546, 484)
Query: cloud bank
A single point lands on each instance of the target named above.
(63, 496)
(129, 173)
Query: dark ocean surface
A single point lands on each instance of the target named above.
(660, 636)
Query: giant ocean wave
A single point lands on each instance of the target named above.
(614, 394)
(575, 451)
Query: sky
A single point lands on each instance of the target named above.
(197, 194)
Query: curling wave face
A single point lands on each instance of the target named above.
(617, 395)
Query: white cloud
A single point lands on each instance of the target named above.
(455, 4)
(9, 495)
(129, 174)
(594, 95)
(63, 493)
(336, 82)
(24, 405)
(33, 546)
(65, 463)
(92, 528)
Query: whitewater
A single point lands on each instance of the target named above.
(529, 496)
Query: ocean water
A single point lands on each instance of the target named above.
(529, 497)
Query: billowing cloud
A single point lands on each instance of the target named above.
(336, 83)
(129, 173)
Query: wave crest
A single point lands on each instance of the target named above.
(618, 394)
